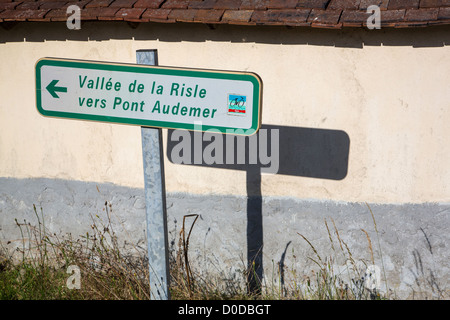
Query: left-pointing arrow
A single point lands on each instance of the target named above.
(52, 88)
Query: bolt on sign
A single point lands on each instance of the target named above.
(153, 96)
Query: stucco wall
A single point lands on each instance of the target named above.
(387, 90)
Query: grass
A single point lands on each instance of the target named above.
(40, 269)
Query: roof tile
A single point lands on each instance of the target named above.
(208, 16)
(122, 4)
(156, 15)
(354, 18)
(444, 14)
(130, 14)
(175, 4)
(202, 4)
(324, 18)
(25, 5)
(390, 17)
(237, 16)
(269, 17)
(294, 17)
(434, 3)
(282, 4)
(427, 14)
(289, 17)
(403, 4)
(254, 4)
(98, 3)
(344, 4)
(57, 15)
(100, 13)
(382, 4)
(23, 15)
(80, 4)
(49, 5)
(92, 13)
(182, 15)
(228, 4)
(9, 5)
(313, 4)
(148, 4)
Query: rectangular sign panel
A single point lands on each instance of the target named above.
(163, 97)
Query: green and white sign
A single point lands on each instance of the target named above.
(164, 97)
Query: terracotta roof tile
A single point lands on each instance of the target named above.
(324, 18)
(294, 17)
(122, 4)
(156, 15)
(199, 4)
(129, 14)
(208, 16)
(182, 15)
(391, 17)
(237, 16)
(313, 4)
(403, 4)
(254, 4)
(364, 4)
(444, 14)
(57, 15)
(422, 14)
(26, 5)
(282, 4)
(269, 17)
(344, 4)
(99, 3)
(313, 13)
(9, 5)
(434, 3)
(228, 4)
(354, 18)
(175, 4)
(154, 4)
(99, 13)
(23, 15)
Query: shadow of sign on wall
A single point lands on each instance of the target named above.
(285, 150)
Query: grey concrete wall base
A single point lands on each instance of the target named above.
(408, 243)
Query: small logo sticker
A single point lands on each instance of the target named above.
(237, 104)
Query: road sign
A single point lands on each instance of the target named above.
(163, 97)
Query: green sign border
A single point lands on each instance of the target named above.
(171, 71)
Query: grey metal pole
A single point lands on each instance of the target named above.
(155, 200)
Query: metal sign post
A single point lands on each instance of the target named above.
(155, 200)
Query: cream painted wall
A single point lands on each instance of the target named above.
(391, 96)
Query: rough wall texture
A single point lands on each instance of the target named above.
(410, 245)
(386, 90)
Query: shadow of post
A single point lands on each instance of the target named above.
(254, 230)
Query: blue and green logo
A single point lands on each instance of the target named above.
(237, 104)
